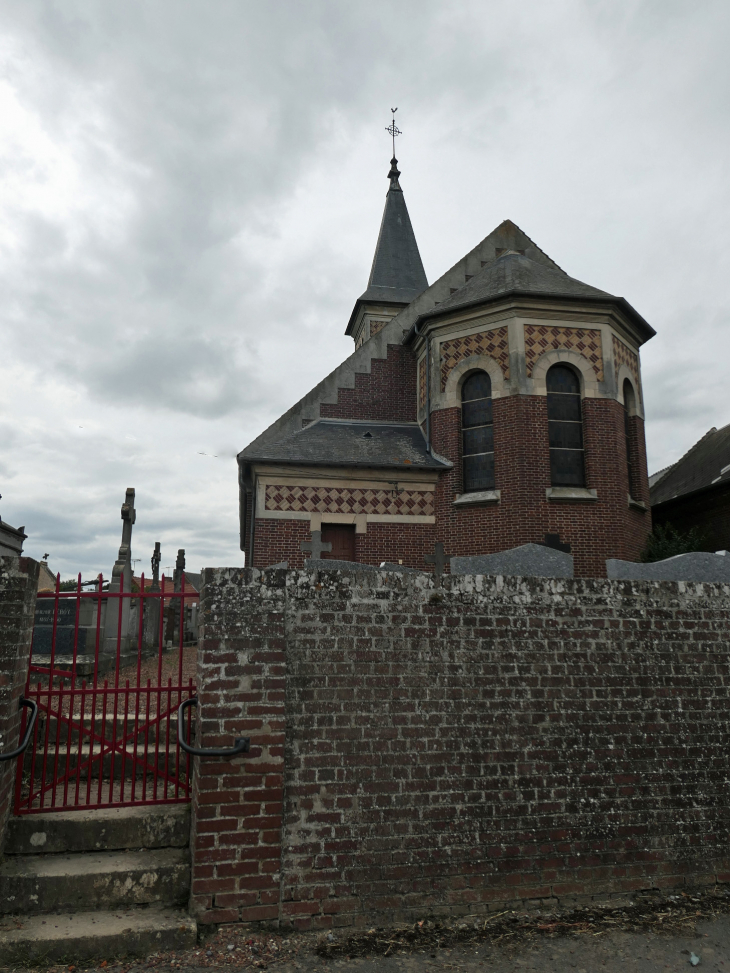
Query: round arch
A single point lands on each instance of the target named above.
(626, 375)
(562, 356)
(451, 396)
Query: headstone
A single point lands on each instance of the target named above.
(527, 561)
(121, 580)
(11, 539)
(328, 564)
(697, 566)
(152, 605)
(398, 568)
(438, 559)
(172, 633)
(315, 546)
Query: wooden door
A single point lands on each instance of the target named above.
(342, 539)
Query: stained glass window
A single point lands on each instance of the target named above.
(477, 433)
(629, 410)
(565, 426)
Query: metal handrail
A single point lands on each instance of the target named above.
(242, 744)
(12, 754)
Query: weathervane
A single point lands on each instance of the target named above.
(393, 129)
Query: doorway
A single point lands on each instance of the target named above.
(342, 539)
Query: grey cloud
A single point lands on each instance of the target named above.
(218, 174)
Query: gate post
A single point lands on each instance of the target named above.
(237, 803)
(18, 589)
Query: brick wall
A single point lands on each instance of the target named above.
(237, 804)
(388, 393)
(595, 530)
(18, 585)
(457, 749)
(280, 540)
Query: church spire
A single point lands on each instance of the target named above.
(397, 275)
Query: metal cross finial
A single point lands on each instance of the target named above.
(393, 129)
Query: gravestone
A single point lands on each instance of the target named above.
(526, 561)
(66, 628)
(328, 564)
(172, 633)
(121, 580)
(697, 566)
(152, 605)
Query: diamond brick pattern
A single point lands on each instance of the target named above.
(422, 384)
(349, 500)
(623, 355)
(493, 343)
(376, 326)
(542, 338)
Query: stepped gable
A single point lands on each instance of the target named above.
(706, 464)
(506, 236)
(329, 442)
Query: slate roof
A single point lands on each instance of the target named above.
(515, 273)
(397, 275)
(705, 465)
(337, 442)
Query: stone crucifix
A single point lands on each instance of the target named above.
(129, 516)
(121, 580)
(438, 559)
(315, 546)
(155, 561)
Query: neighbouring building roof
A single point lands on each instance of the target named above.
(705, 465)
(337, 442)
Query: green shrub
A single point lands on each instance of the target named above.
(666, 541)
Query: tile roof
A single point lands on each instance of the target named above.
(705, 465)
(397, 275)
(337, 442)
(516, 273)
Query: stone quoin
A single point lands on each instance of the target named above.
(500, 406)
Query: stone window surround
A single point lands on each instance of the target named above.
(625, 374)
(515, 318)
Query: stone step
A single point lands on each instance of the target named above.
(107, 829)
(86, 936)
(103, 765)
(89, 881)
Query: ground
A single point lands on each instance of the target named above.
(653, 934)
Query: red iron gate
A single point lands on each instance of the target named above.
(108, 671)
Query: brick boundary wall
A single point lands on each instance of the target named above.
(18, 587)
(456, 749)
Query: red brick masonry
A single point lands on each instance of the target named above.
(456, 749)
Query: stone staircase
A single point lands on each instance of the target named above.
(101, 884)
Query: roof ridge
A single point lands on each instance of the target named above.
(535, 245)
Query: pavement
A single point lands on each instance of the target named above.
(584, 950)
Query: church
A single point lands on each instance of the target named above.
(498, 406)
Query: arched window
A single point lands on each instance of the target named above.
(629, 410)
(565, 424)
(477, 433)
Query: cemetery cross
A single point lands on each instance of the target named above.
(315, 546)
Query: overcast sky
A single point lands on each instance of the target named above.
(190, 196)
